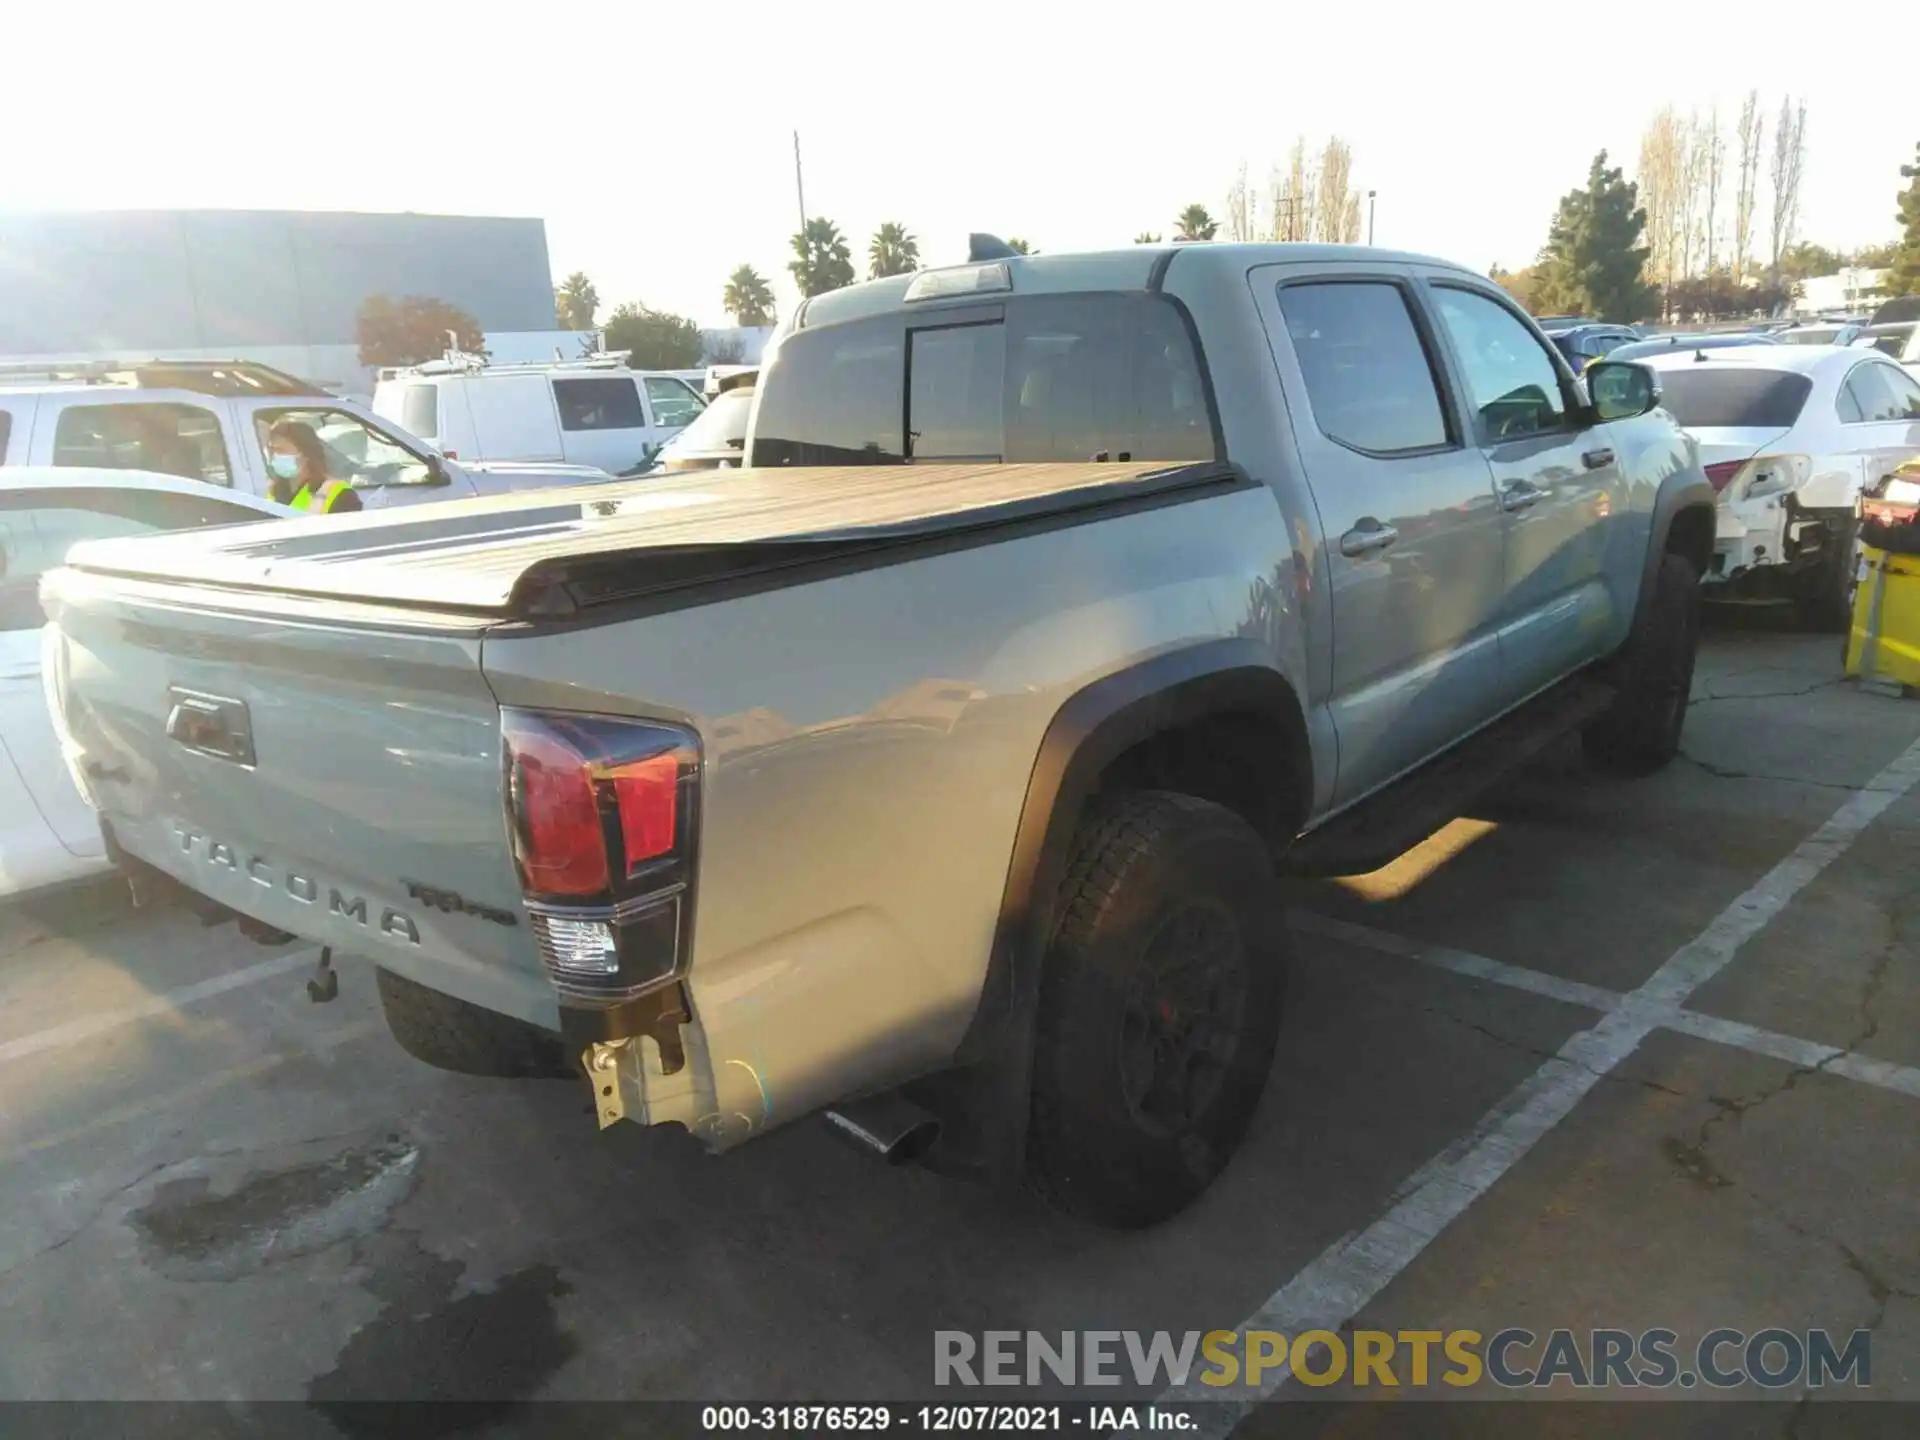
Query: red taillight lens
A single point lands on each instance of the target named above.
(648, 793)
(1718, 475)
(563, 847)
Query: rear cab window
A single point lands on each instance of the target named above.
(1730, 399)
(1094, 376)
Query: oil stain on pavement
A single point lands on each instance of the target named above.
(193, 1229)
(486, 1350)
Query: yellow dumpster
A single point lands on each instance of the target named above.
(1883, 640)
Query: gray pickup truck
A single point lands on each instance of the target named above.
(947, 799)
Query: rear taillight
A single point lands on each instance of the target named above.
(602, 813)
(1719, 475)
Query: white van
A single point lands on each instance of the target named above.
(593, 411)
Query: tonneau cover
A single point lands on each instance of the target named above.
(511, 553)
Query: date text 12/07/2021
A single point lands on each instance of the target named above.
(948, 1419)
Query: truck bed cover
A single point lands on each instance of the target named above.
(552, 551)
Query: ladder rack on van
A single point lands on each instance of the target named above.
(457, 363)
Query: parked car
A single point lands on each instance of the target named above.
(208, 421)
(1895, 338)
(1789, 437)
(1672, 344)
(48, 833)
(1586, 342)
(942, 788)
(594, 411)
(717, 438)
(1842, 333)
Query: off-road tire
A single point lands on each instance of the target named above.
(1170, 889)
(1640, 731)
(1826, 607)
(451, 1034)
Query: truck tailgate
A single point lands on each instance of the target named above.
(323, 773)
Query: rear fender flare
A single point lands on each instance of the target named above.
(1093, 728)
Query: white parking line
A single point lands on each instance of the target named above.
(89, 1026)
(1346, 1277)
(1808, 1054)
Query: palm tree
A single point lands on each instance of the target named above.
(1021, 247)
(893, 252)
(575, 301)
(1146, 237)
(821, 262)
(748, 298)
(1195, 224)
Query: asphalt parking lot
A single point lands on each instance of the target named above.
(1629, 1055)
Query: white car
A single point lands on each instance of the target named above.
(48, 832)
(591, 411)
(208, 420)
(1789, 436)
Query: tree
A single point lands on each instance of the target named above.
(1146, 237)
(1336, 205)
(748, 298)
(1711, 147)
(1290, 195)
(654, 339)
(1520, 284)
(413, 329)
(575, 301)
(1194, 223)
(1240, 207)
(1021, 247)
(892, 252)
(1875, 257)
(1789, 162)
(821, 262)
(1750, 135)
(1903, 275)
(1806, 259)
(1594, 262)
(1662, 178)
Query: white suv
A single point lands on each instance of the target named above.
(208, 421)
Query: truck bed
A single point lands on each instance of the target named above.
(553, 551)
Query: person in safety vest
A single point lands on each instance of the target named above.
(299, 465)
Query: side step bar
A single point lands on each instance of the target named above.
(1392, 822)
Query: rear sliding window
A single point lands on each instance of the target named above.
(1052, 377)
(1734, 399)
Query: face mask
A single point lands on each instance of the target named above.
(284, 467)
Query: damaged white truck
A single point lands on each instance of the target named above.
(935, 770)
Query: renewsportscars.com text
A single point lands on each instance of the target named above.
(1772, 1358)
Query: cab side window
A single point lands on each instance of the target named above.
(1512, 382)
(360, 454)
(164, 437)
(1369, 378)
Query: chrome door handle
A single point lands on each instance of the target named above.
(1520, 496)
(1366, 537)
(1597, 459)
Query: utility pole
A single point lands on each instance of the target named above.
(798, 189)
(1369, 217)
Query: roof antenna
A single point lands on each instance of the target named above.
(982, 246)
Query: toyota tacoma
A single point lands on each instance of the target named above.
(937, 769)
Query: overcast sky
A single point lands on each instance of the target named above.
(656, 139)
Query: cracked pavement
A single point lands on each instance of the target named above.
(523, 1254)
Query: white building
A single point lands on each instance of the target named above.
(1852, 289)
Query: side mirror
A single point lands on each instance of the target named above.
(1621, 389)
(437, 471)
